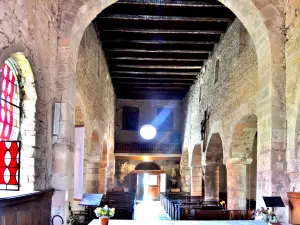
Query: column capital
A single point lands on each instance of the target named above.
(238, 161)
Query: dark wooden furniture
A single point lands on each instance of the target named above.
(33, 208)
(294, 205)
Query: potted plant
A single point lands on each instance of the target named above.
(104, 213)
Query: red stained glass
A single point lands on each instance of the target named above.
(9, 165)
(10, 103)
(9, 127)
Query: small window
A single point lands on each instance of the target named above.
(9, 127)
(217, 68)
(200, 93)
(130, 118)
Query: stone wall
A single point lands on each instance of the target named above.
(292, 54)
(147, 114)
(229, 99)
(226, 101)
(96, 100)
(31, 27)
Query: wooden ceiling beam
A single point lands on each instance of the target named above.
(158, 83)
(164, 18)
(151, 88)
(157, 51)
(160, 42)
(156, 59)
(157, 66)
(163, 31)
(153, 73)
(202, 4)
(179, 78)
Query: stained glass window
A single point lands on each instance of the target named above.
(9, 127)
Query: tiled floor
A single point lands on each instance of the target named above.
(150, 211)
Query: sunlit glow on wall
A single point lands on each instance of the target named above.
(148, 132)
(146, 159)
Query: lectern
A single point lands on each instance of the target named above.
(90, 201)
(294, 204)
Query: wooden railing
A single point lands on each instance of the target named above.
(170, 148)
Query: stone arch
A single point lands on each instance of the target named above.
(28, 101)
(242, 164)
(196, 155)
(185, 172)
(95, 144)
(243, 137)
(196, 171)
(215, 171)
(103, 169)
(264, 22)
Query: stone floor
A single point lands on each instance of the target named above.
(150, 211)
(190, 222)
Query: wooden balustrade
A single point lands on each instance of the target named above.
(169, 148)
(33, 208)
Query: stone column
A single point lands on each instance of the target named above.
(237, 183)
(196, 180)
(102, 177)
(212, 182)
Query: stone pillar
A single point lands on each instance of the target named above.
(102, 178)
(196, 181)
(212, 182)
(92, 177)
(110, 173)
(237, 183)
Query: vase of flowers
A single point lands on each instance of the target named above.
(104, 214)
(223, 204)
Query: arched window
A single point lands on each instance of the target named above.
(9, 126)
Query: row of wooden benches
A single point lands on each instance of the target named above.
(181, 206)
(123, 202)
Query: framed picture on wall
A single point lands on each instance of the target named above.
(130, 118)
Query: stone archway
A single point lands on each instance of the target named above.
(196, 171)
(103, 169)
(264, 22)
(242, 164)
(214, 168)
(92, 165)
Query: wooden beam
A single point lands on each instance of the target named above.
(163, 31)
(202, 4)
(152, 87)
(157, 66)
(159, 83)
(156, 51)
(164, 18)
(160, 42)
(178, 78)
(155, 59)
(153, 73)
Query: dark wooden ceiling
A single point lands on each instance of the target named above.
(156, 48)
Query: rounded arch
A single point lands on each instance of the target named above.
(147, 166)
(196, 155)
(243, 137)
(214, 152)
(257, 16)
(95, 144)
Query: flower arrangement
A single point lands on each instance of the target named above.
(223, 203)
(105, 212)
(266, 215)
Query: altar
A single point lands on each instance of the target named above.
(182, 222)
